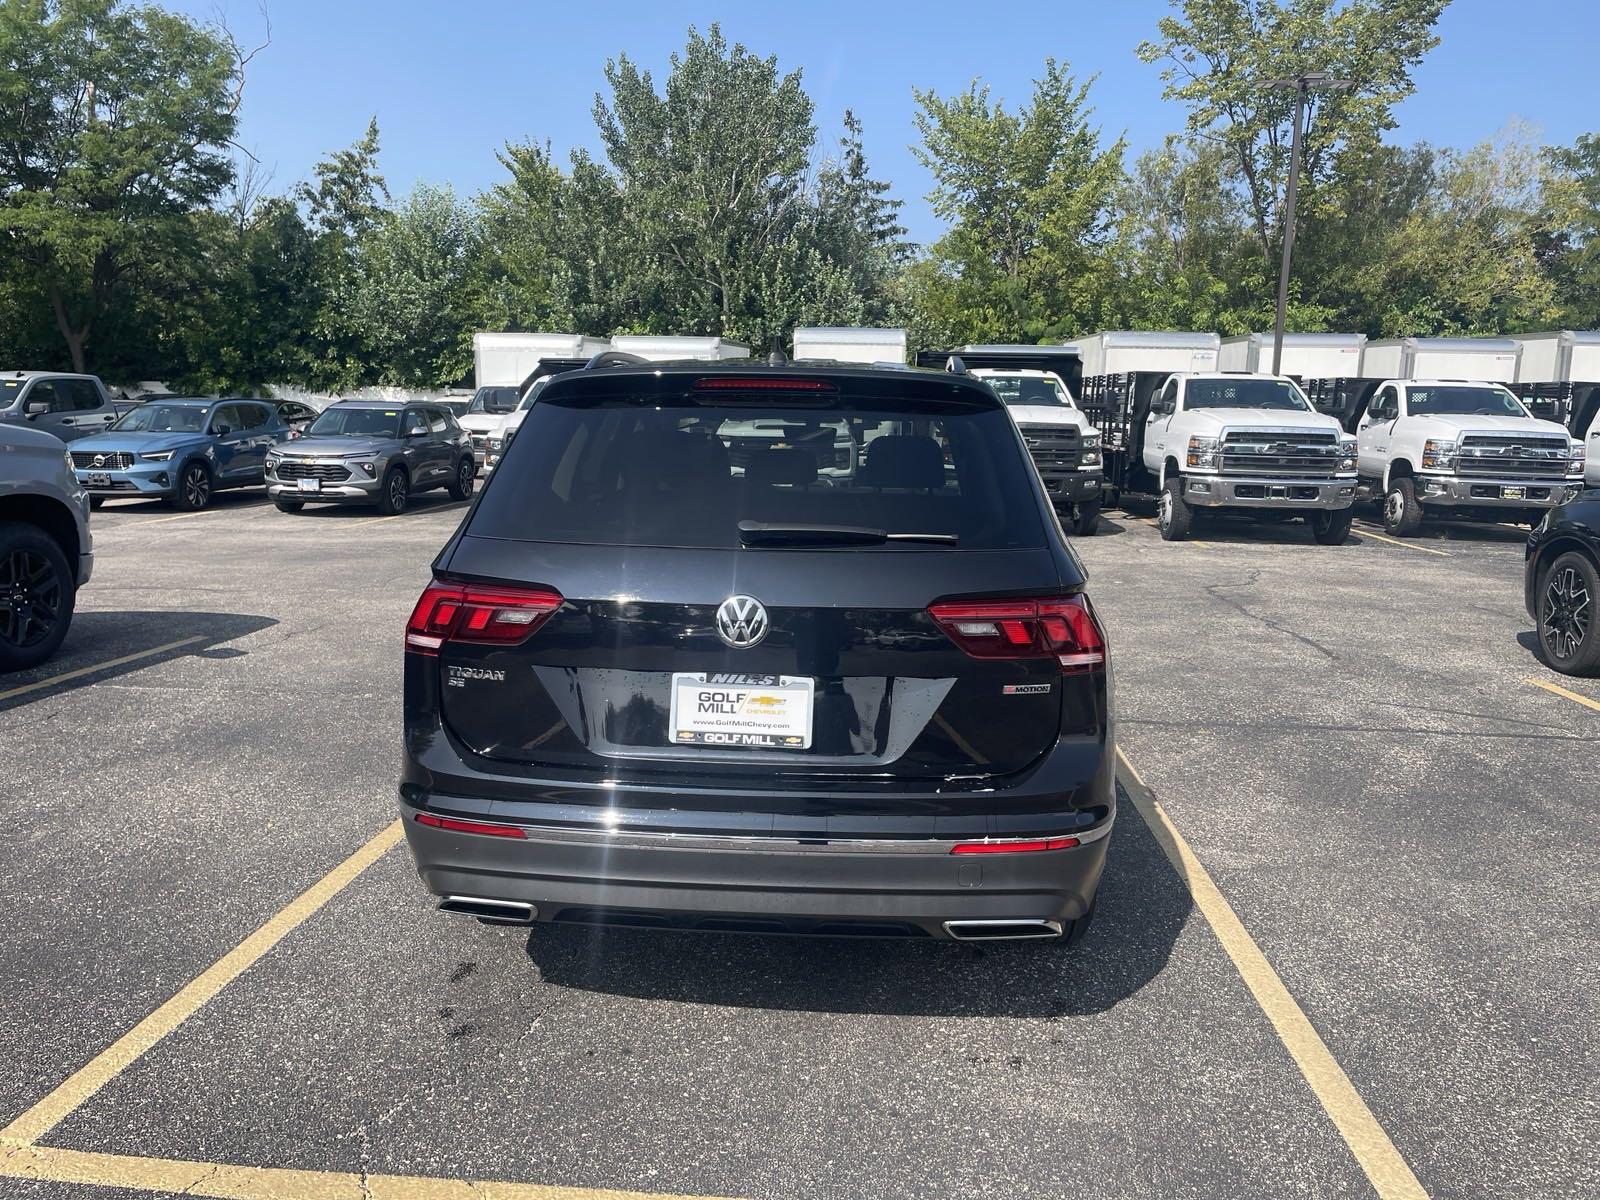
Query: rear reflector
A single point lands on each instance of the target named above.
(1022, 847)
(1063, 628)
(453, 612)
(761, 383)
(455, 825)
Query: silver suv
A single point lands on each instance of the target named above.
(372, 452)
(46, 553)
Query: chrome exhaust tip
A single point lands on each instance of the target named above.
(491, 912)
(1020, 929)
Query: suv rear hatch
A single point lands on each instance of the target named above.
(876, 543)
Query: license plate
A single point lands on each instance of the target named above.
(770, 712)
(311, 485)
(98, 479)
(1514, 493)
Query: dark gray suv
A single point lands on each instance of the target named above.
(372, 452)
(795, 649)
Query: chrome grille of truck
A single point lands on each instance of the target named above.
(1510, 456)
(114, 460)
(1299, 453)
(327, 472)
(1054, 448)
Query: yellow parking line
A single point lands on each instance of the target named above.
(1538, 683)
(1362, 531)
(40, 684)
(121, 1054)
(232, 1182)
(1376, 1154)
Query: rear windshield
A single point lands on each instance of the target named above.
(670, 472)
(357, 422)
(493, 400)
(1244, 393)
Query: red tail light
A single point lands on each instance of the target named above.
(761, 383)
(456, 825)
(454, 612)
(1064, 629)
(1017, 847)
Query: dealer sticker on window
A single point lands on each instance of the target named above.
(763, 711)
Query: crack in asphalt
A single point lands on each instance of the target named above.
(1214, 590)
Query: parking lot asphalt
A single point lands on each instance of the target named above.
(1347, 738)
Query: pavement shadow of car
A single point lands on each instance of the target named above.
(1107, 528)
(106, 644)
(1141, 909)
(416, 506)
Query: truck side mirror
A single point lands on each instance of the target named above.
(34, 407)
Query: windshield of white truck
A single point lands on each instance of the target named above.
(1464, 402)
(493, 400)
(1030, 390)
(1244, 393)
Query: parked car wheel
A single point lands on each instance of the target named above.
(466, 472)
(1332, 528)
(1569, 593)
(1402, 515)
(38, 589)
(396, 492)
(289, 506)
(1174, 517)
(1086, 519)
(194, 488)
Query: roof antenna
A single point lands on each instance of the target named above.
(777, 358)
(955, 366)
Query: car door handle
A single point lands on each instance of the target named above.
(68, 421)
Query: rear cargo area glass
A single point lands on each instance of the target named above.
(665, 471)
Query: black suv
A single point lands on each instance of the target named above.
(786, 648)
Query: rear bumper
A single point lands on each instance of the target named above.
(1243, 491)
(1476, 492)
(762, 883)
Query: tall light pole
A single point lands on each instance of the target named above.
(1302, 85)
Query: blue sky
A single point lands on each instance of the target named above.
(451, 80)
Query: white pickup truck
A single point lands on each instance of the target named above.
(1469, 450)
(1247, 443)
(1064, 444)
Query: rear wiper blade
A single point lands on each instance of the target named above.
(763, 533)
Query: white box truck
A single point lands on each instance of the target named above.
(1559, 377)
(656, 348)
(1305, 355)
(856, 344)
(507, 359)
(1489, 360)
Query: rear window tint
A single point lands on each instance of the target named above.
(670, 472)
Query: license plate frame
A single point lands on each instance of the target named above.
(99, 479)
(713, 710)
(1513, 493)
(310, 485)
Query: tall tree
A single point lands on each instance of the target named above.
(1219, 56)
(1028, 196)
(1571, 252)
(711, 172)
(113, 124)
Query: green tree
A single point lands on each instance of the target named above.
(113, 124)
(1571, 252)
(1220, 54)
(1028, 195)
(711, 174)
(407, 297)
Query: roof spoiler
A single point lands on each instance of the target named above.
(614, 358)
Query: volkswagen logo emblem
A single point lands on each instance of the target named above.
(99, 460)
(741, 621)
